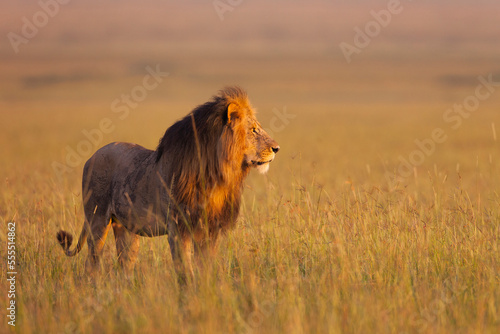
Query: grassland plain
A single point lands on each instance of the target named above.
(325, 243)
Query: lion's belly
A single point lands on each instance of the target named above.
(151, 229)
(145, 220)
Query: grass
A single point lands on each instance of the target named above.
(355, 257)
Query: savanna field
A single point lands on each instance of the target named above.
(380, 213)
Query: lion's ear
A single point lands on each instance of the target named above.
(233, 113)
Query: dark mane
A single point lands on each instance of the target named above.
(208, 157)
(182, 130)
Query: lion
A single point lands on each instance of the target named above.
(189, 188)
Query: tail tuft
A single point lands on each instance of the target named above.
(65, 239)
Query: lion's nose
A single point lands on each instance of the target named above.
(276, 148)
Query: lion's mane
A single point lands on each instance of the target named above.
(205, 161)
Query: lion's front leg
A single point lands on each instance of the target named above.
(206, 248)
(181, 248)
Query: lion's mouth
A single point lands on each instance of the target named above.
(260, 163)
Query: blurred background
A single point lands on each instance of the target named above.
(61, 72)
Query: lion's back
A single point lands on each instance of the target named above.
(110, 164)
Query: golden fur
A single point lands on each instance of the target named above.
(189, 187)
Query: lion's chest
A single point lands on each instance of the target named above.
(217, 200)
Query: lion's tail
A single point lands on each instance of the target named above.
(65, 239)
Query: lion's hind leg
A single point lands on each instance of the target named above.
(99, 229)
(127, 246)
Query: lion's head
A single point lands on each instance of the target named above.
(226, 139)
(257, 147)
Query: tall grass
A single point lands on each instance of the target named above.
(353, 258)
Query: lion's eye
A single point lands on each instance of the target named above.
(254, 130)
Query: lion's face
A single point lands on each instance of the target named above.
(261, 148)
(248, 138)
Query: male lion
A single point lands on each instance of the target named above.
(189, 187)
